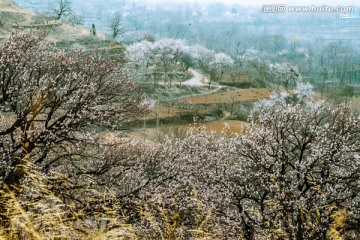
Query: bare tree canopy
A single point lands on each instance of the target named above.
(115, 25)
(61, 8)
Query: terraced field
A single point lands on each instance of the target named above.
(210, 99)
(229, 97)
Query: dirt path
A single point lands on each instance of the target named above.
(196, 80)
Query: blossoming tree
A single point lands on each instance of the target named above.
(50, 100)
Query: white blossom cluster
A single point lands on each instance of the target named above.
(164, 51)
(284, 73)
(292, 166)
(169, 51)
(291, 173)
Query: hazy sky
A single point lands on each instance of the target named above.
(261, 2)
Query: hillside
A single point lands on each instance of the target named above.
(161, 138)
(9, 6)
(14, 18)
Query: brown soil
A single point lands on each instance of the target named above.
(208, 99)
(231, 96)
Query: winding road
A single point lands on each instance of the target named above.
(197, 79)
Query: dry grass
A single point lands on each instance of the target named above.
(38, 214)
(229, 97)
(33, 210)
(167, 224)
(338, 217)
(67, 32)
